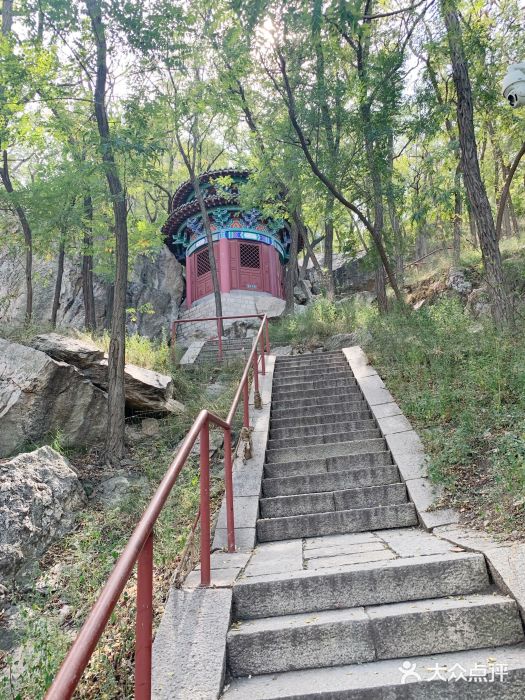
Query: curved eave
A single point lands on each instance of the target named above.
(183, 191)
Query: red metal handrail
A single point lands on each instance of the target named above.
(139, 549)
(219, 320)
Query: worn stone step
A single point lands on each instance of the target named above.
(357, 635)
(335, 523)
(319, 419)
(309, 407)
(309, 357)
(320, 428)
(324, 438)
(286, 643)
(346, 386)
(331, 481)
(312, 371)
(313, 378)
(320, 450)
(316, 397)
(383, 680)
(322, 502)
(328, 464)
(376, 583)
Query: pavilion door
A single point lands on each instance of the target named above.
(251, 267)
(202, 274)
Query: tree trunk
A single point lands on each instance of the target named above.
(209, 239)
(382, 301)
(28, 236)
(58, 282)
(292, 113)
(117, 350)
(7, 16)
(397, 233)
(329, 242)
(90, 320)
(291, 267)
(500, 306)
(456, 247)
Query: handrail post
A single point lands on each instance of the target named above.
(246, 408)
(263, 361)
(144, 621)
(267, 334)
(205, 503)
(257, 403)
(228, 487)
(219, 336)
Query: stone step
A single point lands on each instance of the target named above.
(317, 396)
(323, 502)
(306, 467)
(320, 429)
(308, 407)
(312, 373)
(331, 481)
(357, 635)
(324, 438)
(309, 357)
(384, 680)
(376, 583)
(320, 450)
(336, 523)
(319, 419)
(346, 386)
(311, 377)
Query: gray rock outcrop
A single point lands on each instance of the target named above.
(154, 292)
(39, 497)
(39, 395)
(145, 389)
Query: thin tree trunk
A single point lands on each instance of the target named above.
(90, 320)
(209, 240)
(457, 218)
(472, 225)
(500, 305)
(7, 16)
(329, 242)
(382, 300)
(58, 282)
(292, 113)
(28, 236)
(291, 267)
(110, 296)
(117, 350)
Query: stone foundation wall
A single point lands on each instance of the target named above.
(235, 303)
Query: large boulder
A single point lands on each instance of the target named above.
(80, 353)
(340, 341)
(39, 497)
(145, 389)
(39, 395)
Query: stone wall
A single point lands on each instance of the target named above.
(234, 303)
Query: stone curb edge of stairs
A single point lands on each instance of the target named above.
(506, 560)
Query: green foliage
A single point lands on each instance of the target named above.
(462, 383)
(320, 321)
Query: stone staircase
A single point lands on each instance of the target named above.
(344, 596)
(233, 350)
